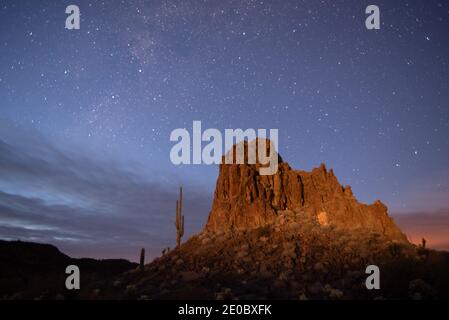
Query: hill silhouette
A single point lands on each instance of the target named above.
(37, 271)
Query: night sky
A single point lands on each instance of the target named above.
(86, 115)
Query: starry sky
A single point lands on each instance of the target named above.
(86, 115)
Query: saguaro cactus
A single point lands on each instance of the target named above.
(179, 220)
(423, 243)
(142, 259)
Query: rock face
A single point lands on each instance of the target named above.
(244, 200)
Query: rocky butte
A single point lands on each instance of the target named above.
(244, 200)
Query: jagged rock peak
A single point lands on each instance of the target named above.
(245, 199)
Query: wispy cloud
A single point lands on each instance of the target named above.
(87, 206)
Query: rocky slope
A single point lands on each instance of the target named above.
(292, 257)
(244, 199)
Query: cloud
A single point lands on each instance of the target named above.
(87, 206)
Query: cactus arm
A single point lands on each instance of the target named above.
(179, 220)
(182, 227)
(142, 259)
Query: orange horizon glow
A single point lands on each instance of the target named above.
(433, 227)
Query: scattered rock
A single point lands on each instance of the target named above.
(188, 276)
(179, 262)
(303, 296)
(319, 267)
(419, 289)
